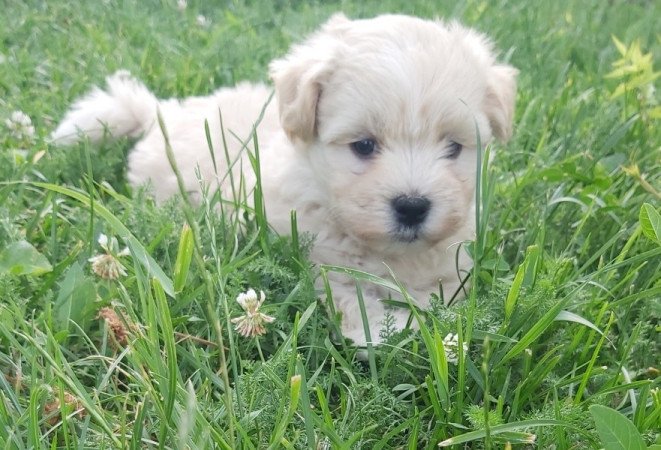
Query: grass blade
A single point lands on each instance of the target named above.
(137, 249)
(499, 429)
(184, 258)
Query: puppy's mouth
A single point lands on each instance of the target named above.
(407, 235)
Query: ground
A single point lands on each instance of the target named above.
(557, 343)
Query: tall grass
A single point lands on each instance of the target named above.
(556, 344)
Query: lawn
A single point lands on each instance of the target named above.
(556, 346)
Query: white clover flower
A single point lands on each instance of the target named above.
(20, 126)
(251, 324)
(20, 118)
(182, 5)
(203, 21)
(103, 241)
(451, 345)
(111, 245)
(107, 265)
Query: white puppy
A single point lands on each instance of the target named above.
(372, 139)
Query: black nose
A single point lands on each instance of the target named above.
(410, 211)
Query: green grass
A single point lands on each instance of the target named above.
(561, 324)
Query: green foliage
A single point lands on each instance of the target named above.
(75, 302)
(21, 258)
(650, 221)
(615, 430)
(556, 344)
(637, 76)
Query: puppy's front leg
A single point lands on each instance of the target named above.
(345, 299)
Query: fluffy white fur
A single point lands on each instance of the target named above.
(413, 86)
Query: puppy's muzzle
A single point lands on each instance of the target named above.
(410, 211)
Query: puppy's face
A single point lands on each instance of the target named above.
(390, 111)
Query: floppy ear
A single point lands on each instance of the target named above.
(297, 88)
(501, 96)
(298, 79)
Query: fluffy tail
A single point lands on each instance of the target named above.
(125, 108)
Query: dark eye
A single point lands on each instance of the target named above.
(364, 147)
(453, 149)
